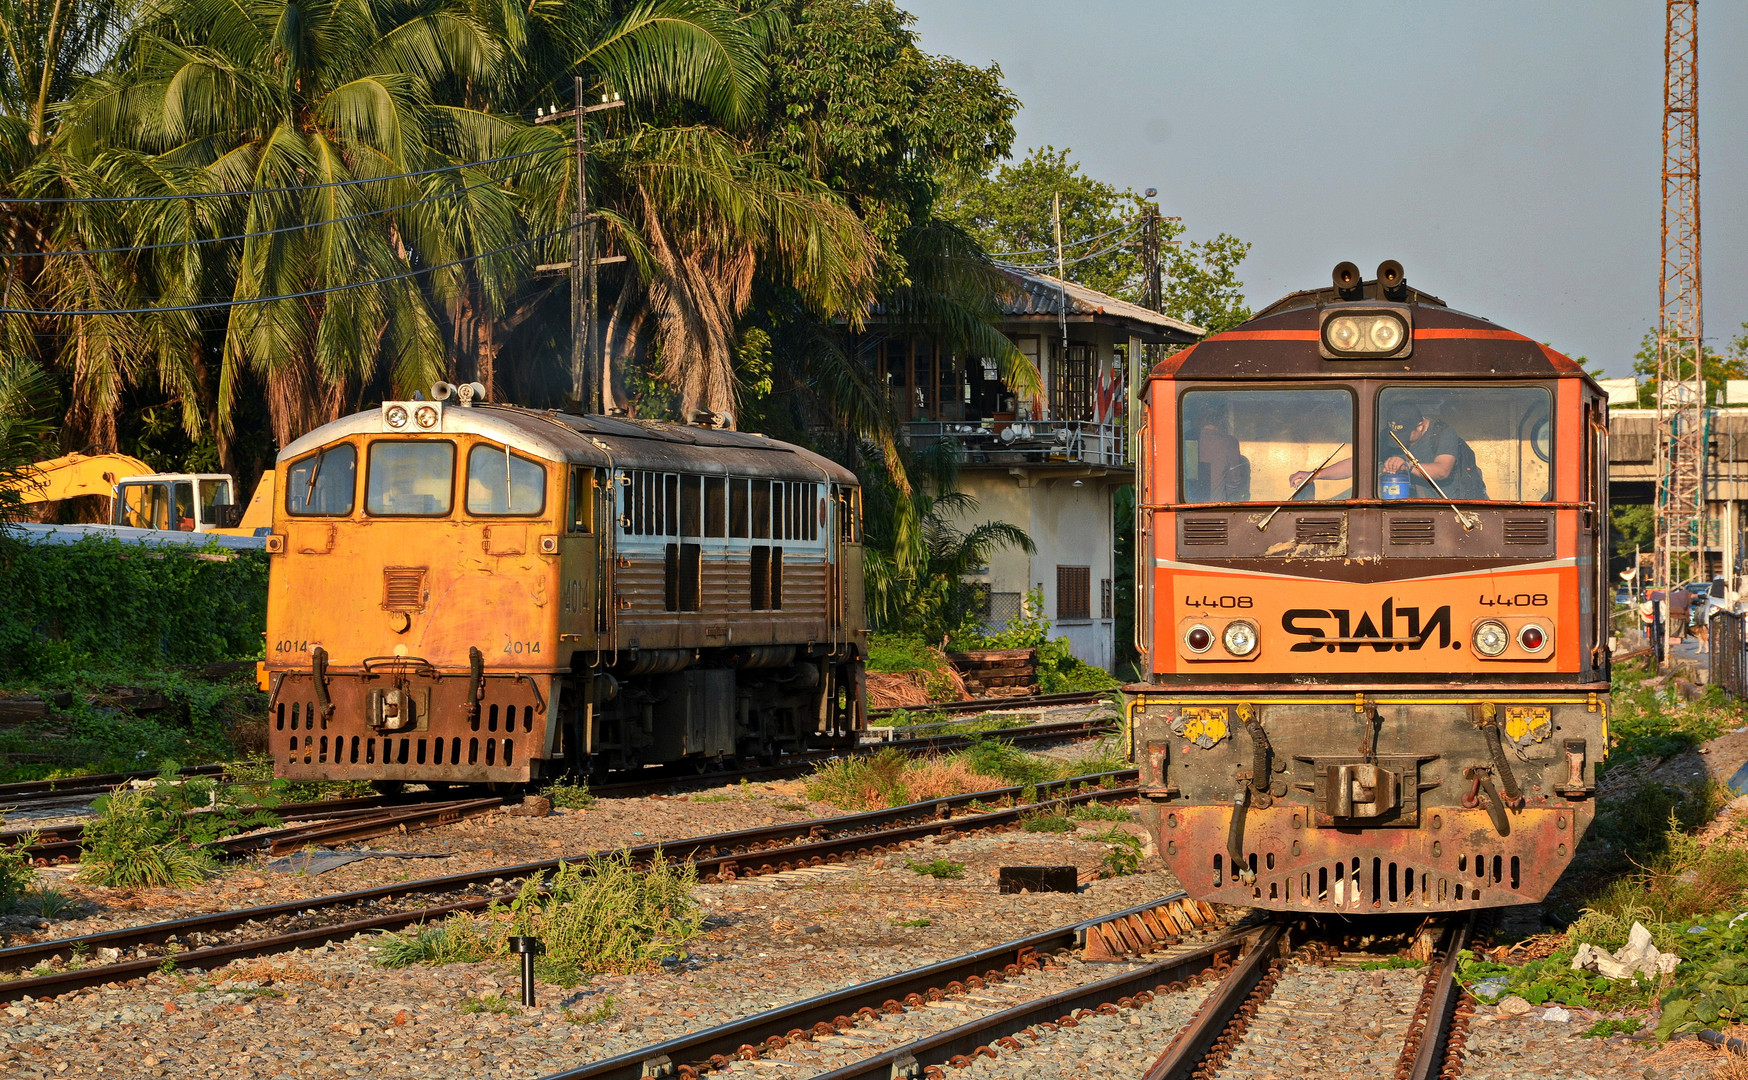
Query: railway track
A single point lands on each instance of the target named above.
(985, 976)
(203, 941)
(34, 793)
(1244, 1026)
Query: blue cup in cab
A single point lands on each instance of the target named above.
(1395, 485)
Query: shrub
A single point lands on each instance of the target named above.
(1123, 856)
(154, 836)
(605, 915)
(1047, 823)
(1010, 765)
(570, 795)
(15, 872)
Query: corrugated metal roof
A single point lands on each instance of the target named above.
(1035, 294)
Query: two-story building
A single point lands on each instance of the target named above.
(1050, 465)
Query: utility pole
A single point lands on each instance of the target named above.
(587, 377)
(1681, 449)
(1061, 284)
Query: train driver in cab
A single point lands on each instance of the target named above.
(1439, 457)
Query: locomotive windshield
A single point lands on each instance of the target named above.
(500, 482)
(410, 478)
(1476, 442)
(323, 483)
(1260, 445)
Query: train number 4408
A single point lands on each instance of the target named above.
(1228, 602)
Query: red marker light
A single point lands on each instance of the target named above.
(1199, 639)
(1531, 637)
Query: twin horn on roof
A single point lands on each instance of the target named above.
(1392, 283)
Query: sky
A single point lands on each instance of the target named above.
(1508, 154)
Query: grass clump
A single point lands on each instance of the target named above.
(45, 902)
(491, 1003)
(600, 1014)
(154, 836)
(456, 940)
(892, 778)
(571, 795)
(1390, 963)
(1046, 822)
(911, 923)
(1615, 1025)
(1101, 812)
(940, 869)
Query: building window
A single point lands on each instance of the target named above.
(1073, 593)
(1004, 608)
(1105, 598)
(1072, 384)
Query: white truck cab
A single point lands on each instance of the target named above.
(178, 502)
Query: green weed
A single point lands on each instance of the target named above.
(942, 869)
(911, 923)
(571, 795)
(15, 872)
(1047, 822)
(41, 970)
(45, 902)
(1619, 1025)
(1101, 812)
(491, 1003)
(604, 915)
(713, 797)
(1123, 856)
(1013, 766)
(601, 1013)
(456, 940)
(167, 966)
(1390, 963)
(153, 836)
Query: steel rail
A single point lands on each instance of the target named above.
(833, 1010)
(958, 1045)
(720, 856)
(1016, 704)
(1209, 1028)
(1439, 1037)
(17, 795)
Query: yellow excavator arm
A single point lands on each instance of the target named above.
(77, 474)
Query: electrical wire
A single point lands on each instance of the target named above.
(1121, 241)
(252, 235)
(278, 190)
(1066, 244)
(283, 296)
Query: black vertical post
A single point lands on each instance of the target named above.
(526, 947)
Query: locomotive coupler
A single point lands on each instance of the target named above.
(1235, 835)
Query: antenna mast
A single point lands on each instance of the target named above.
(1681, 443)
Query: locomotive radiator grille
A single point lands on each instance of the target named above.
(1204, 532)
(1526, 530)
(1410, 531)
(403, 588)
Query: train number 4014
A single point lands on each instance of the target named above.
(287, 645)
(519, 647)
(1228, 602)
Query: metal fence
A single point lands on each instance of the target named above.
(1729, 659)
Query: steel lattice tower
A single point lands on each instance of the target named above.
(1681, 449)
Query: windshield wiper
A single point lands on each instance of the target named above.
(1462, 517)
(1310, 476)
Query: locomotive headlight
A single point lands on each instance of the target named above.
(1344, 334)
(1386, 334)
(1532, 638)
(426, 416)
(1491, 638)
(1364, 334)
(395, 416)
(1198, 639)
(1239, 638)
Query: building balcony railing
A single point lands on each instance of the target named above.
(1027, 442)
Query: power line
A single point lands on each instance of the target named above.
(1100, 253)
(1065, 243)
(251, 235)
(279, 190)
(284, 296)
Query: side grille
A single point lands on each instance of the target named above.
(403, 588)
(1322, 531)
(1526, 530)
(1407, 531)
(1204, 532)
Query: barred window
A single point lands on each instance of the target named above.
(1073, 592)
(1106, 598)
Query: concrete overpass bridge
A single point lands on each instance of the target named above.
(1632, 469)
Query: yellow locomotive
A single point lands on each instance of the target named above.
(1373, 604)
(463, 592)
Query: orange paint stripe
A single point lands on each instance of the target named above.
(1266, 335)
(1459, 333)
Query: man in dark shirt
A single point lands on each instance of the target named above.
(1442, 453)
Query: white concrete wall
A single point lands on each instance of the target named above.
(1070, 526)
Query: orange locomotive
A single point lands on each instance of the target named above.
(474, 593)
(1372, 601)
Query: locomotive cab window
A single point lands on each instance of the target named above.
(1265, 445)
(324, 483)
(502, 482)
(1465, 443)
(410, 478)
